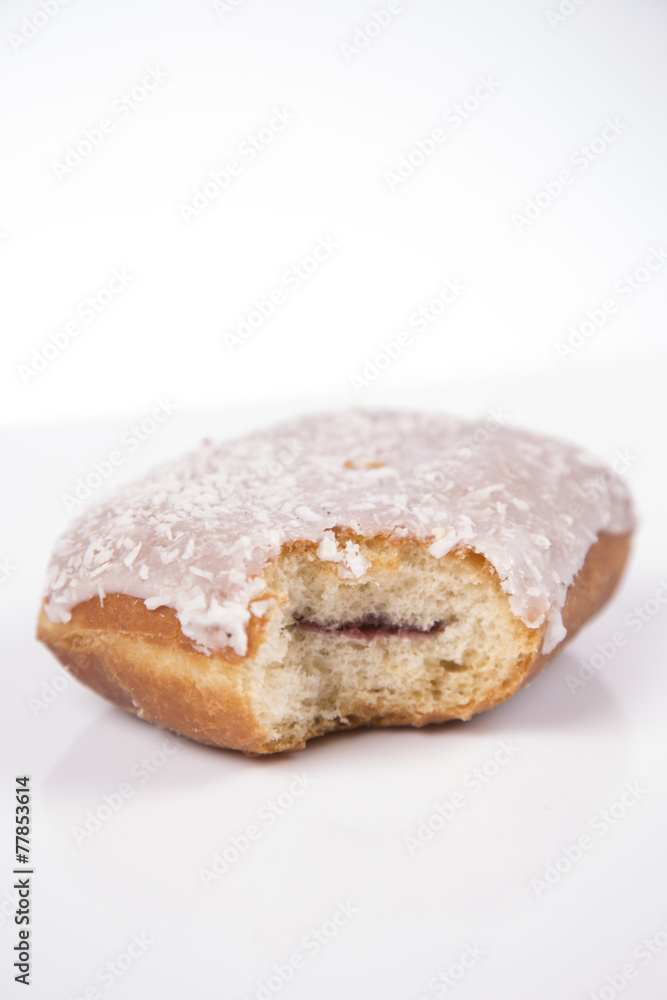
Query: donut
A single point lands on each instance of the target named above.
(346, 569)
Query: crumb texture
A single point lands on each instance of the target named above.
(440, 640)
(197, 534)
(416, 641)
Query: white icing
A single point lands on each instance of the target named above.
(259, 608)
(195, 534)
(351, 563)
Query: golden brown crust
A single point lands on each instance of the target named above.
(593, 586)
(591, 589)
(141, 661)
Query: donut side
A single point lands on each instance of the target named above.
(415, 640)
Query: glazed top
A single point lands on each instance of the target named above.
(195, 533)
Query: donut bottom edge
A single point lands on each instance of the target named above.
(141, 661)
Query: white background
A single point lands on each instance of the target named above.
(555, 85)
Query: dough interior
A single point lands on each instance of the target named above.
(415, 635)
(414, 640)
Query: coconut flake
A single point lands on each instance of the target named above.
(507, 494)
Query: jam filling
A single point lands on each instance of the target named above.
(370, 628)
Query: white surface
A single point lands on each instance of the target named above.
(324, 175)
(60, 241)
(344, 838)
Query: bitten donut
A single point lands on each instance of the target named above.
(349, 569)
